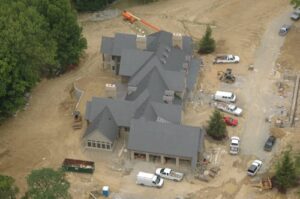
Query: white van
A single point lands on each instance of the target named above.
(224, 96)
(149, 179)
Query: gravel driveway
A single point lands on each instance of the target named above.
(257, 94)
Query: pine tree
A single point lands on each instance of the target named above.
(217, 126)
(285, 172)
(207, 43)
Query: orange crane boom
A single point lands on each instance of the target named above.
(132, 18)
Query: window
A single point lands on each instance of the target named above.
(89, 143)
(94, 144)
(108, 146)
(103, 146)
(98, 145)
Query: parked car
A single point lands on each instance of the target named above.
(229, 108)
(226, 59)
(169, 174)
(230, 121)
(284, 30)
(270, 143)
(234, 145)
(254, 168)
(149, 179)
(296, 14)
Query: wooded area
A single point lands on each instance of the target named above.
(37, 37)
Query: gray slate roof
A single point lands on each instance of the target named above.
(121, 110)
(105, 124)
(107, 45)
(132, 60)
(187, 45)
(156, 39)
(169, 112)
(123, 41)
(193, 73)
(164, 138)
(115, 46)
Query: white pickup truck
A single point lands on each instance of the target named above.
(234, 145)
(226, 59)
(169, 174)
(229, 108)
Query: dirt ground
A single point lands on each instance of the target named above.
(41, 135)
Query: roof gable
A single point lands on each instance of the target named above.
(104, 124)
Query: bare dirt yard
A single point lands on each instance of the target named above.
(41, 135)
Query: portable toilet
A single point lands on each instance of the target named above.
(105, 191)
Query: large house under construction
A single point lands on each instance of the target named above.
(158, 72)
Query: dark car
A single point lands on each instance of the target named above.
(270, 143)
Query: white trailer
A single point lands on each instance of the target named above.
(169, 174)
(226, 59)
(149, 179)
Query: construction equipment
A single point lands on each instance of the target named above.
(77, 120)
(226, 76)
(128, 16)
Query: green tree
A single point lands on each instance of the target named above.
(295, 3)
(285, 172)
(7, 188)
(47, 183)
(25, 47)
(216, 126)
(64, 30)
(91, 5)
(207, 43)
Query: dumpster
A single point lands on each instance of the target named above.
(80, 166)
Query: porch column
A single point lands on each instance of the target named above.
(147, 157)
(177, 162)
(132, 155)
(162, 159)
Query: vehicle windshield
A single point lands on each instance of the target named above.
(233, 108)
(269, 143)
(252, 169)
(162, 170)
(232, 96)
(156, 179)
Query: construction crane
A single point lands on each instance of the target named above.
(128, 16)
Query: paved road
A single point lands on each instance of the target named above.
(257, 93)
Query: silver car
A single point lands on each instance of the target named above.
(284, 30)
(296, 14)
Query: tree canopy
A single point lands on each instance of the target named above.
(7, 188)
(35, 36)
(24, 48)
(91, 5)
(285, 172)
(207, 43)
(47, 183)
(295, 3)
(216, 126)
